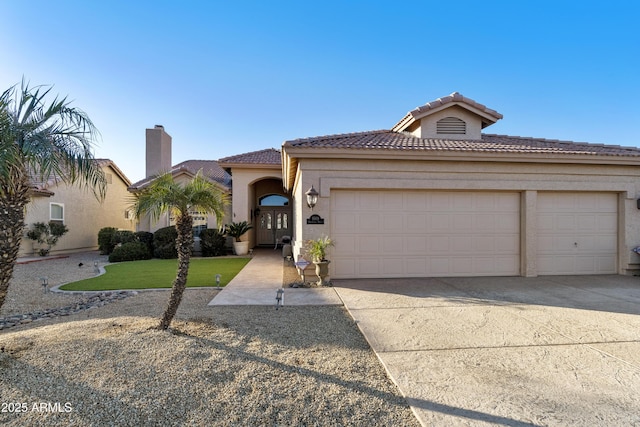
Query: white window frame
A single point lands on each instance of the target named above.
(51, 218)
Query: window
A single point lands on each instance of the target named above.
(282, 221)
(451, 125)
(274, 200)
(56, 212)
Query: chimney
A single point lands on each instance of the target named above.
(158, 151)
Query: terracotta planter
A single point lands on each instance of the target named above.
(322, 271)
(241, 248)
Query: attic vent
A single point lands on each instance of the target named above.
(451, 125)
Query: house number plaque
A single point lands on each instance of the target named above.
(315, 219)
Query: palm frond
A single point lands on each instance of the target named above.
(48, 140)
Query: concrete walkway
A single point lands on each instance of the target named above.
(258, 282)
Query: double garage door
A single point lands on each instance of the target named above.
(439, 233)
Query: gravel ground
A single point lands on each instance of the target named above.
(249, 365)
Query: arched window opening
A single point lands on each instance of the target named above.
(273, 200)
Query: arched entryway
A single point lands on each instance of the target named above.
(272, 214)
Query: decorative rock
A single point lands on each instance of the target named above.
(95, 300)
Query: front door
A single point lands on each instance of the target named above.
(273, 223)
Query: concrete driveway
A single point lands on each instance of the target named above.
(561, 350)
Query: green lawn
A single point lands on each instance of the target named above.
(159, 273)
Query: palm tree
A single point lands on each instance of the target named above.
(39, 141)
(165, 195)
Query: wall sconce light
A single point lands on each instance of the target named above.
(312, 197)
(638, 202)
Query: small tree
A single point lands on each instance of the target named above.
(47, 234)
(164, 195)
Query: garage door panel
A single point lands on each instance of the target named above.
(343, 202)
(419, 244)
(462, 222)
(369, 244)
(393, 245)
(606, 263)
(345, 222)
(417, 222)
(368, 200)
(345, 265)
(392, 223)
(428, 233)
(607, 223)
(367, 224)
(392, 266)
(439, 222)
(577, 233)
(347, 246)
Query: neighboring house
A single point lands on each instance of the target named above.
(158, 161)
(79, 210)
(434, 196)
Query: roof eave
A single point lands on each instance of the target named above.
(295, 153)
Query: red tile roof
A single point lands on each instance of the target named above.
(210, 169)
(390, 140)
(270, 156)
(454, 98)
(41, 186)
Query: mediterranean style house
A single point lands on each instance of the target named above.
(79, 210)
(435, 196)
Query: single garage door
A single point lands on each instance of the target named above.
(424, 233)
(577, 233)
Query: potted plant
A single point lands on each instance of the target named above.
(317, 250)
(237, 230)
(46, 236)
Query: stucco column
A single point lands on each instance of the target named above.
(528, 234)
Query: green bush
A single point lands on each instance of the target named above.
(164, 243)
(104, 240)
(123, 236)
(130, 251)
(212, 242)
(47, 234)
(146, 238)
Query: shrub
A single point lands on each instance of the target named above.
(122, 236)
(212, 242)
(130, 251)
(146, 238)
(164, 243)
(104, 240)
(47, 234)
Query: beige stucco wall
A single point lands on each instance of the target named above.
(427, 128)
(84, 215)
(244, 195)
(527, 178)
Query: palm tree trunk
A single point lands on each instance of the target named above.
(11, 227)
(184, 244)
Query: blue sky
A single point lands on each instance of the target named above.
(230, 77)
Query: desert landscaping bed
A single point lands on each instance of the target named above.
(216, 366)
